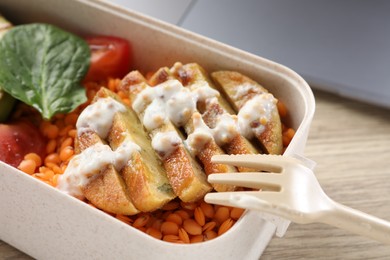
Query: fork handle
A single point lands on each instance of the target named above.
(358, 222)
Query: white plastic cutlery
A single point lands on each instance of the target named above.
(286, 188)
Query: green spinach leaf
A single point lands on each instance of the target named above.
(42, 66)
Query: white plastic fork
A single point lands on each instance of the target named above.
(290, 190)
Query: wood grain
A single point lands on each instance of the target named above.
(350, 141)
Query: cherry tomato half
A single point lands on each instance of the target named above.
(18, 139)
(110, 57)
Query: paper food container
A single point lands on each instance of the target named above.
(47, 224)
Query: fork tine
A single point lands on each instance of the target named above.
(265, 162)
(254, 180)
(263, 201)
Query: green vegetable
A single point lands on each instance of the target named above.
(6, 101)
(42, 66)
(6, 105)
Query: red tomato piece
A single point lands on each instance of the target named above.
(18, 139)
(110, 57)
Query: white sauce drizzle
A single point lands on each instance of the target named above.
(255, 114)
(97, 117)
(90, 162)
(143, 99)
(171, 101)
(243, 90)
(167, 101)
(226, 129)
(181, 106)
(165, 143)
(154, 115)
(124, 152)
(203, 91)
(201, 135)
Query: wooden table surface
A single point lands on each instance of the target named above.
(350, 141)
